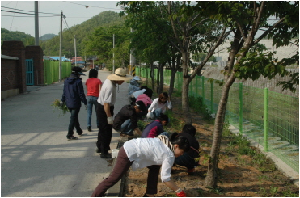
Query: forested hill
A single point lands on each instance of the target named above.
(7, 35)
(81, 32)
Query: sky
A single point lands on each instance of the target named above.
(75, 13)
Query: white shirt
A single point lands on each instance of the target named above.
(107, 93)
(150, 151)
(155, 104)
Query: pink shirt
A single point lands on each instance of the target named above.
(92, 85)
(145, 99)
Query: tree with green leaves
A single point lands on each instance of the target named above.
(150, 36)
(193, 31)
(245, 19)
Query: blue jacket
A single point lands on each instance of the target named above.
(73, 93)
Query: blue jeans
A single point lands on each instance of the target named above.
(91, 100)
(126, 128)
(74, 123)
(155, 114)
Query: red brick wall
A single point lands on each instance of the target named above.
(15, 49)
(9, 79)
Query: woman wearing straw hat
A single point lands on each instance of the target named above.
(106, 100)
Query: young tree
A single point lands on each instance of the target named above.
(193, 31)
(245, 19)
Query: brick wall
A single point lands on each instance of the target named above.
(16, 49)
(9, 80)
(36, 53)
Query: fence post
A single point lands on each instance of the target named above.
(211, 96)
(203, 93)
(266, 119)
(241, 107)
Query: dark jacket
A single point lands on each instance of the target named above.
(194, 144)
(73, 93)
(127, 112)
(153, 129)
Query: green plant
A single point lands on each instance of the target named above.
(288, 193)
(60, 106)
(273, 191)
(198, 105)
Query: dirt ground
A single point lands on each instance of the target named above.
(237, 177)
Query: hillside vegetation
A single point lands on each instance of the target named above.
(50, 42)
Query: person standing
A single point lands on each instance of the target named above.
(105, 110)
(93, 85)
(72, 96)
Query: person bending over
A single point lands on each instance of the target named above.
(152, 153)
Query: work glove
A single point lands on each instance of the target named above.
(181, 194)
(148, 116)
(61, 103)
(110, 120)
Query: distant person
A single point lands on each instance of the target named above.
(134, 85)
(153, 153)
(93, 85)
(156, 127)
(105, 110)
(126, 120)
(72, 96)
(188, 158)
(159, 105)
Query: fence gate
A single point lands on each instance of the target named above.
(29, 72)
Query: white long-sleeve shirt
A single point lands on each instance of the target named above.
(155, 104)
(150, 151)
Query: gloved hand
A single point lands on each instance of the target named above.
(148, 116)
(61, 103)
(181, 194)
(110, 120)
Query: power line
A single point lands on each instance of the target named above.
(92, 6)
(26, 11)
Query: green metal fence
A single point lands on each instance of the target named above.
(269, 118)
(51, 71)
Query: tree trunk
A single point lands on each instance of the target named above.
(152, 74)
(161, 81)
(211, 179)
(185, 89)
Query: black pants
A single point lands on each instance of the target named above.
(105, 129)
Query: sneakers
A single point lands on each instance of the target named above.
(89, 129)
(72, 138)
(102, 155)
(97, 150)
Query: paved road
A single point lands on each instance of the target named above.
(37, 159)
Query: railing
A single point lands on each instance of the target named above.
(51, 71)
(269, 118)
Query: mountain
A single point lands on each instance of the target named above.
(81, 32)
(7, 35)
(47, 37)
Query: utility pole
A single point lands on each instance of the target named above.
(75, 51)
(36, 22)
(132, 61)
(60, 38)
(113, 71)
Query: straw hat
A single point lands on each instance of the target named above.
(119, 75)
